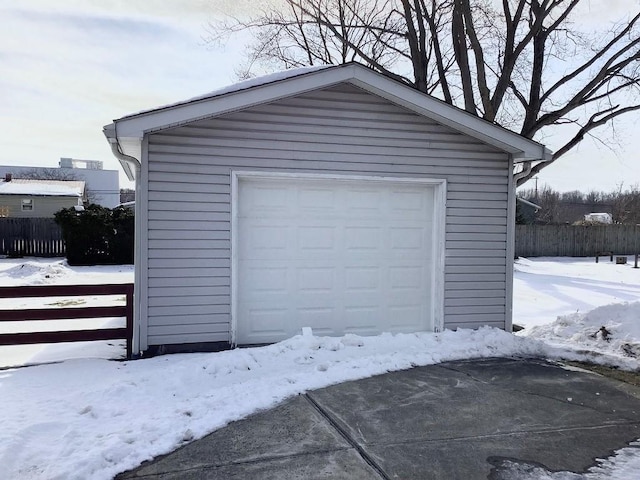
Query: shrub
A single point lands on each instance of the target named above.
(97, 235)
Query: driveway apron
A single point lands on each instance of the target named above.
(455, 420)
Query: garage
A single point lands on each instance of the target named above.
(333, 198)
(335, 254)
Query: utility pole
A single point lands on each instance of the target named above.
(536, 179)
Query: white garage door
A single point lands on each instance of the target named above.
(340, 256)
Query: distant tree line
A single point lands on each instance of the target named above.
(571, 207)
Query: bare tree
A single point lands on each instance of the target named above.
(523, 64)
(48, 174)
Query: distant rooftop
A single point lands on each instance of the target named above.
(66, 162)
(56, 188)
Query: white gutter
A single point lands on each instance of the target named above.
(130, 164)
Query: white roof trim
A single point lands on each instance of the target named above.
(136, 126)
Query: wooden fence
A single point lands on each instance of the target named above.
(576, 241)
(36, 237)
(83, 335)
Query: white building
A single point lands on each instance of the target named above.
(598, 218)
(103, 186)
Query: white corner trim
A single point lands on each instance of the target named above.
(439, 253)
(511, 248)
(438, 239)
(141, 267)
(234, 259)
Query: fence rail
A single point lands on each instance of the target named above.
(43, 314)
(36, 237)
(576, 240)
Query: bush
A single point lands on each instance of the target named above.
(97, 235)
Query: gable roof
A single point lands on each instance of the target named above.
(49, 188)
(126, 133)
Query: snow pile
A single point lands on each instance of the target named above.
(39, 271)
(611, 334)
(34, 273)
(94, 418)
(622, 465)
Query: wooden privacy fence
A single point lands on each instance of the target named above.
(36, 237)
(576, 240)
(84, 335)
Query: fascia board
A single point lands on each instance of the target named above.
(169, 117)
(520, 148)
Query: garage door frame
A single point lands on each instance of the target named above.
(438, 244)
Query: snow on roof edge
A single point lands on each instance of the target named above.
(51, 188)
(236, 87)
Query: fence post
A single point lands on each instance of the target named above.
(129, 306)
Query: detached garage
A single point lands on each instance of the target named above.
(334, 198)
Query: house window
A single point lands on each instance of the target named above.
(27, 204)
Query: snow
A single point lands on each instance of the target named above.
(236, 87)
(33, 271)
(545, 288)
(94, 410)
(622, 465)
(54, 188)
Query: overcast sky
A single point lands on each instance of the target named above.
(69, 67)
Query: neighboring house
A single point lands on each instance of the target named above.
(526, 211)
(21, 198)
(103, 186)
(333, 198)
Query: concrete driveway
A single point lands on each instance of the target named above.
(456, 420)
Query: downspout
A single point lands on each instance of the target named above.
(129, 164)
(131, 167)
(526, 170)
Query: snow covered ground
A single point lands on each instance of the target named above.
(40, 271)
(91, 418)
(547, 287)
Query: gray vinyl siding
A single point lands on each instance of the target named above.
(341, 130)
(43, 206)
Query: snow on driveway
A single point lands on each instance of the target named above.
(92, 418)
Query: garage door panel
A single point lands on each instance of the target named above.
(407, 278)
(260, 239)
(316, 237)
(316, 280)
(268, 279)
(363, 237)
(360, 319)
(361, 278)
(404, 317)
(266, 324)
(317, 199)
(339, 256)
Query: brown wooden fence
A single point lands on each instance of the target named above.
(576, 241)
(36, 237)
(84, 335)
